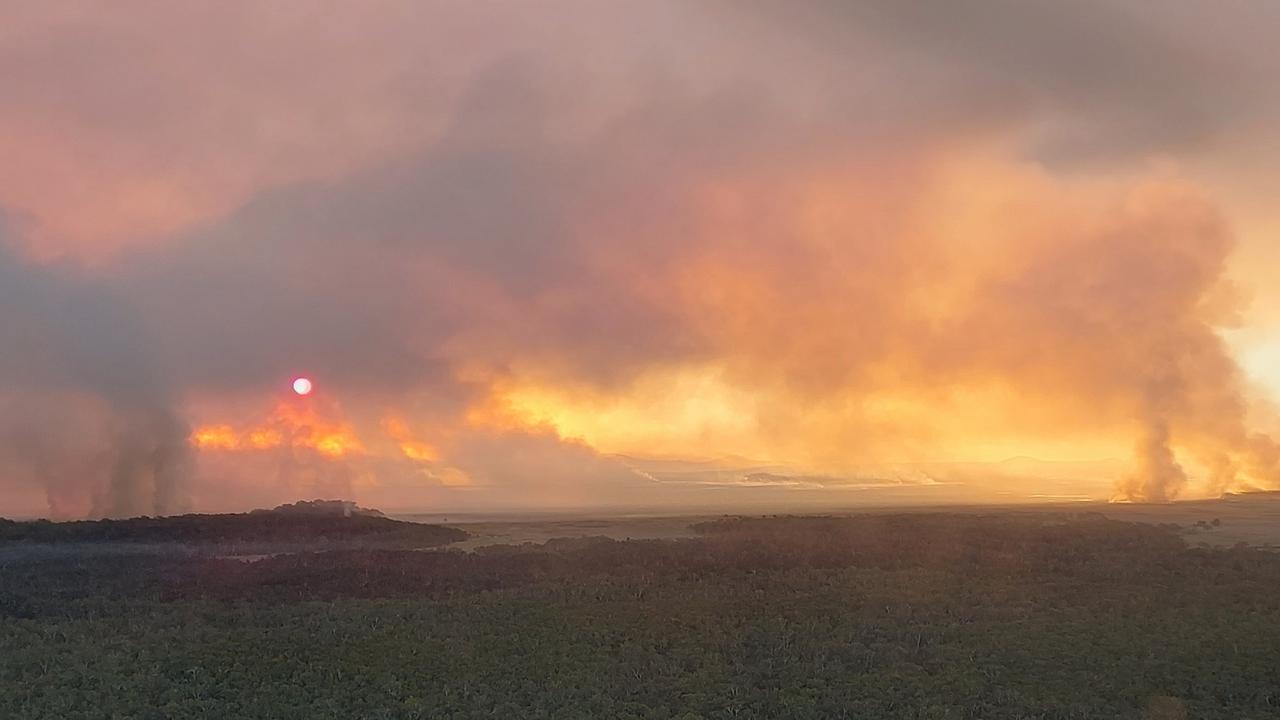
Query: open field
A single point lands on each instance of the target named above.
(490, 531)
(1250, 519)
(1253, 519)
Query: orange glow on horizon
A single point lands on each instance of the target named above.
(291, 424)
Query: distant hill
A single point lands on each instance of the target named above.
(307, 522)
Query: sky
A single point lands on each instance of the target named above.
(592, 254)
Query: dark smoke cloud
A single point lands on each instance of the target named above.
(1097, 82)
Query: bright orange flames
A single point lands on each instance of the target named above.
(301, 425)
(216, 437)
(291, 424)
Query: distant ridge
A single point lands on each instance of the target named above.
(307, 523)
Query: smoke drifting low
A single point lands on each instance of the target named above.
(84, 411)
(515, 265)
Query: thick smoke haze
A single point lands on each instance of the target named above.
(86, 411)
(658, 255)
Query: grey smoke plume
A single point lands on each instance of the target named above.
(83, 411)
(1158, 477)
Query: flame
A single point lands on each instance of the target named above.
(215, 437)
(264, 438)
(290, 424)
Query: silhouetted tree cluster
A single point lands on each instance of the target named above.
(298, 523)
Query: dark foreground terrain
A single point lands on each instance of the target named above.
(884, 616)
(308, 525)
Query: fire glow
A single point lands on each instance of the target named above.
(291, 424)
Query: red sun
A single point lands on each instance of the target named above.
(302, 386)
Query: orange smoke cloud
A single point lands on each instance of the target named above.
(414, 449)
(952, 307)
(775, 255)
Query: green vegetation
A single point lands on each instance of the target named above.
(913, 616)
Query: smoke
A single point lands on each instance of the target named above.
(810, 312)
(84, 413)
(835, 237)
(151, 463)
(1159, 477)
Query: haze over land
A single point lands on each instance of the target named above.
(660, 255)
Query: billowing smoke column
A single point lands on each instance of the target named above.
(83, 410)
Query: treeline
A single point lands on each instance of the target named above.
(287, 525)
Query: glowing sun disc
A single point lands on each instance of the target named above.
(302, 386)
